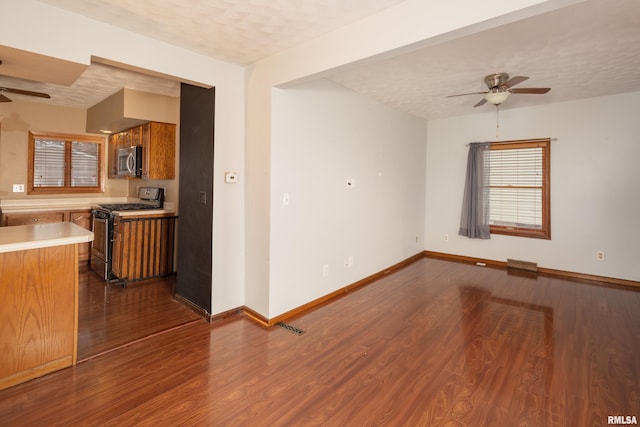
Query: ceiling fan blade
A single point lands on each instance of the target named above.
(531, 90)
(25, 92)
(481, 102)
(465, 94)
(515, 80)
(4, 98)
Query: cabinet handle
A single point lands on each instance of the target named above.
(78, 218)
(36, 219)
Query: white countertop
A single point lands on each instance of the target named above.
(35, 205)
(143, 212)
(23, 237)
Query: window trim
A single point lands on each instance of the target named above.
(545, 231)
(67, 138)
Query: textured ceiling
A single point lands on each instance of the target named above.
(97, 83)
(237, 31)
(589, 49)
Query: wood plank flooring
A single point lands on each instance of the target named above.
(437, 343)
(110, 316)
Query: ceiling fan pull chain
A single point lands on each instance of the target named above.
(497, 120)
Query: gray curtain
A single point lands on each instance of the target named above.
(474, 221)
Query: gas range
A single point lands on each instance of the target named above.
(103, 224)
(149, 198)
(128, 206)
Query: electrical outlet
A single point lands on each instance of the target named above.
(600, 255)
(446, 237)
(325, 270)
(348, 262)
(18, 188)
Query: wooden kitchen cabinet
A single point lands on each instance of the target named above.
(32, 218)
(158, 150)
(84, 219)
(117, 251)
(38, 312)
(132, 137)
(143, 246)
(158, 142)
(115, 142)
(81, 217)
(38, 300)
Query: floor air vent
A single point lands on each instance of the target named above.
(290, 328)
(522, 265)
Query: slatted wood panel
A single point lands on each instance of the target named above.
(143, 247)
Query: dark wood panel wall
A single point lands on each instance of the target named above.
(195, 230)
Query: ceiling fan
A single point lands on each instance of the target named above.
(4, 98)
(500, 87)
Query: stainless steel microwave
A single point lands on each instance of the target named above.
(130, 161)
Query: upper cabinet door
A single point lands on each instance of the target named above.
(158, 150)
(115, 142)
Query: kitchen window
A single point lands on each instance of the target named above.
(519, 188)
(61, 164)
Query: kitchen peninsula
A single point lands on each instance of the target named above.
(38, 299)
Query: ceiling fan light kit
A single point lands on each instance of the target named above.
(497, 97)
(500, 87)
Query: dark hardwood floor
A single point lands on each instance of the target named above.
(437, 343)
(110, 316)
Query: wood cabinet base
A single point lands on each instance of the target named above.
(38, 312)
(143, 246)
(36, 372)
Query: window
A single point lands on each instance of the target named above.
(61, 163)
(519, 188)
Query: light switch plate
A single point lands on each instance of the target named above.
(231, 177)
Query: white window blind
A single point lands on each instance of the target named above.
(49, 163)
(84, 164)
(516, 187)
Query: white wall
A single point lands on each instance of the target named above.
(323, 134)
(84, 38)
(595, 184)
(406, 26)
